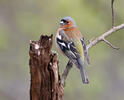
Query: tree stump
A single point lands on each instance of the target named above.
(44, 70)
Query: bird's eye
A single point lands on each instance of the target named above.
(64, 21)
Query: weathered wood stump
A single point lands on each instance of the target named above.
(44, 70)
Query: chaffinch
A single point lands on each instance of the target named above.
(71, 43)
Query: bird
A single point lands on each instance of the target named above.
(71, 43)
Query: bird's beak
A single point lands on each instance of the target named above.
(61, 23)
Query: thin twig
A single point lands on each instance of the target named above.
(109, 44)
(104, 35)
(65, 73)
(89, 41)
(112, 4)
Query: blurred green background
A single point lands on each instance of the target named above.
(24, 20)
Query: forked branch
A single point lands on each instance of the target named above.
(94, 42)
(104, 35)
(90, 45)
(109, 44)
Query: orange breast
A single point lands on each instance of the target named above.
(73, 32)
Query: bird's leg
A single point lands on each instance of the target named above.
(65, 73)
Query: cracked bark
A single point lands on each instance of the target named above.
(44, 70)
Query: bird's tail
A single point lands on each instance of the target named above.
(84, 76)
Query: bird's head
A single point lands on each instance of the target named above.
(67, 22)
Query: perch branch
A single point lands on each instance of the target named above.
(91, 44)
(104, 35)
(65, 73)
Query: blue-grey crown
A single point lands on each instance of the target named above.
(69, 18)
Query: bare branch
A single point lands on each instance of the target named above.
(89, 41)
(113, 19)
(94, 42)
(109, 44)
(104, 35)
(65, 73)
(91, 44)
